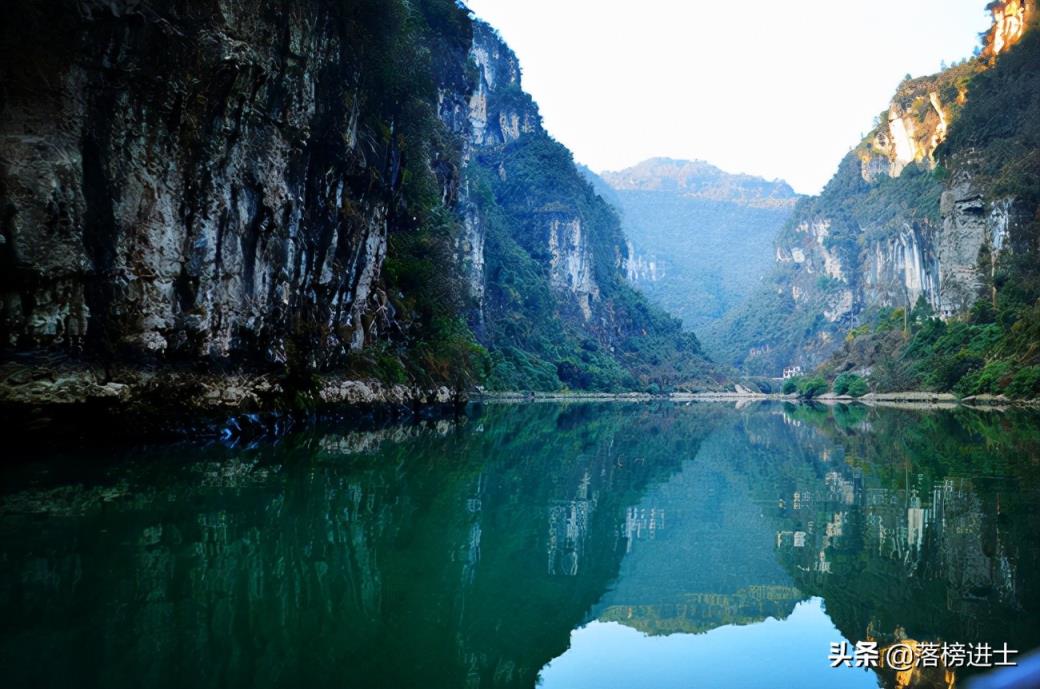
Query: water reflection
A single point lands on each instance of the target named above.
(464, 554)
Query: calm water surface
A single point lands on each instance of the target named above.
(562, 546)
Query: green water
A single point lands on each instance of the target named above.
(598, 545)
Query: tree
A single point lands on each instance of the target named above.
(850, 384)
(812, 387)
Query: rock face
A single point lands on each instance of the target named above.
(904, 267)
(895, 267)
(544, 256)
(501, 114)
(217, 184)
(640, 268)
(190, 186)
(1010, 19)
(570, 262)
(914, 126)
(503, 119)
(904, 221)
(974, 228)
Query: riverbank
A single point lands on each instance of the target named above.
(63, 402)
(44, 403)
(908, 399)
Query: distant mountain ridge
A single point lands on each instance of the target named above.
(700, 239)
(702, 180)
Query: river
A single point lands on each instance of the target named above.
(624, 544)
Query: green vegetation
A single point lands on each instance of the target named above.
(994, 136)
(768, 318)
(403, 158)
(812, 387)
(850, 384)
(806, 387)
(1000, 123)
(528, 333)
(537, 336)
(860, 214)
(990, 351)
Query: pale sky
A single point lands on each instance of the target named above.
(777, 88)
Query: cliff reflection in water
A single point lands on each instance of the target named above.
(463, 555)
(925, 527)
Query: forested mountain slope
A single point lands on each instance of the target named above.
(699, 238)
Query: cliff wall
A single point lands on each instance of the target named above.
(287, 191)
(919, 212)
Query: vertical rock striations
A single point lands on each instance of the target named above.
(217, 181)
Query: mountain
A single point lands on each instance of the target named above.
(352, 190)
(552, 302)
(699, 237)
(933, 211)
(697, 179)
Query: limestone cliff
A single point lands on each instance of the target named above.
(280, 190)
(501, 114)
(545, 256)
(920, 210)
(191, 185)
(1010, 19)
(206, 183)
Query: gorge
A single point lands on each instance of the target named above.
(699, 238)
(324, 363)
(247, 207)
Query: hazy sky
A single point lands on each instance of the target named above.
(777, 88)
